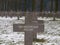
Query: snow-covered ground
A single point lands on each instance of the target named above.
(51, 33)
(47, 18)
(7, 37)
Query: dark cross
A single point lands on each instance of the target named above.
(31, 27)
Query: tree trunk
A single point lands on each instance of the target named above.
(51, 6)
(41, 8)
(41, 5)
(33, 5)
(56, 9)
(56, 6)
(54, 16)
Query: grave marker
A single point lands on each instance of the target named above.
(31, 27)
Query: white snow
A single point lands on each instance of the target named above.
(8, 37)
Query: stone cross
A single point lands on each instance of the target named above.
(31, 27)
